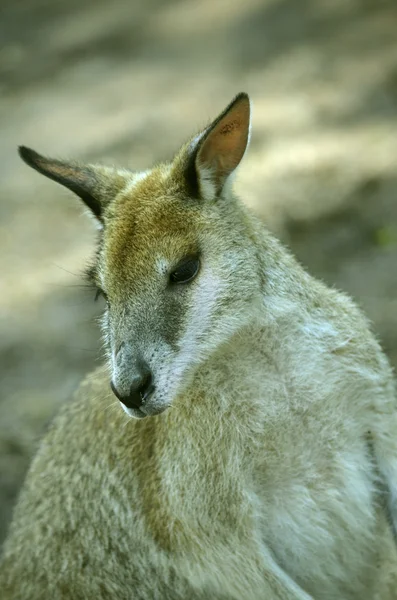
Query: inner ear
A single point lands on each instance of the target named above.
(222, 146)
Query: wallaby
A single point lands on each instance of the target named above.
(260, 461)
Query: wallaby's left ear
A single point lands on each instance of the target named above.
(94, 184)
(221, 147)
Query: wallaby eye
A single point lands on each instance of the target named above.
(186, 270)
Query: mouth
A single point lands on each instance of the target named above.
(135, 413)
(145, 411)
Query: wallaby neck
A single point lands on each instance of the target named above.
(203, 451)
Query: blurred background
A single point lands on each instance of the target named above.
(126, 81)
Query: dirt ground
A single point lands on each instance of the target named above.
(126, 81)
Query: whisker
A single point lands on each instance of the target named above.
(66, 270)
(126, 422)
(111, 406)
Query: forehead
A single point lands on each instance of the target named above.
(152, 220)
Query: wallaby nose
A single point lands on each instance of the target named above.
(140, 389)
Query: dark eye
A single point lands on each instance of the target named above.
(185, 271)
(100, 293)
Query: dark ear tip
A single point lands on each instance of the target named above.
(28, 155)
(24, 152)
(241, 97)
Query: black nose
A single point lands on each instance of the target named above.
(141, 388)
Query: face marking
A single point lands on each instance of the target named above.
(206, 296)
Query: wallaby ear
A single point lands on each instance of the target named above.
(222, 146)
(95, 185)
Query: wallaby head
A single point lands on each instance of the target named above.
(175, 261)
